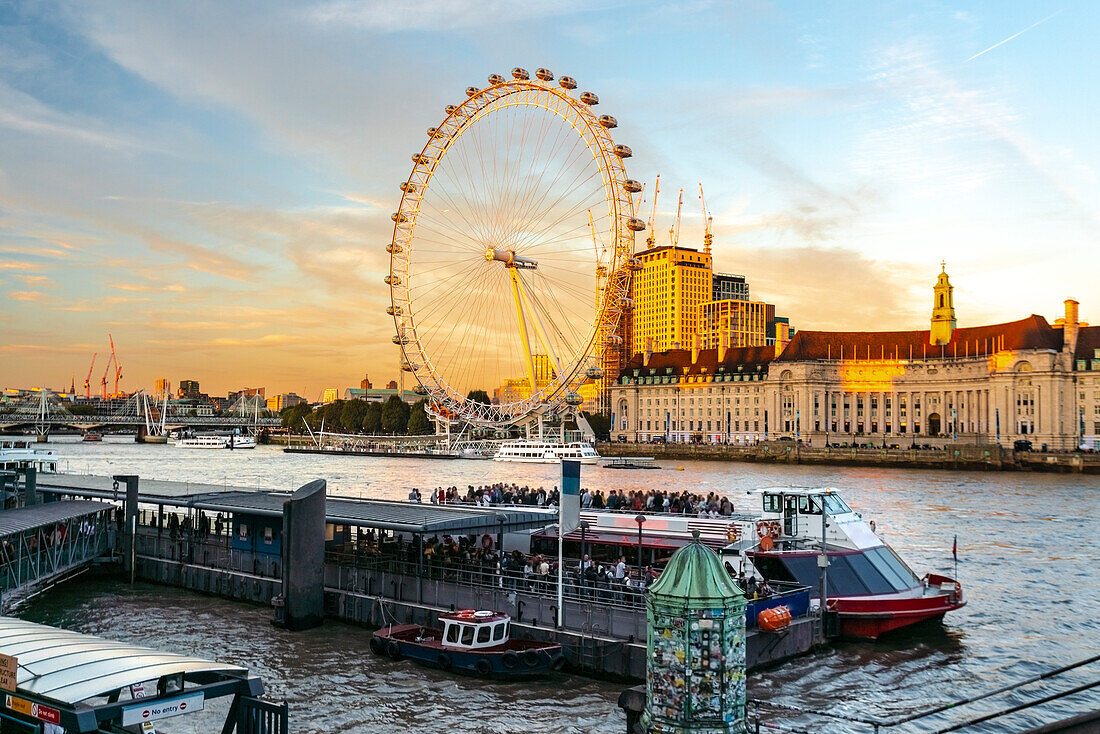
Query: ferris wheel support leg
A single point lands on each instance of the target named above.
(522, 323)
(539, 330)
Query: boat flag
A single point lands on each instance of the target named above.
(955, 549)
(569, 510)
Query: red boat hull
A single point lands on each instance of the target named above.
(870, 617)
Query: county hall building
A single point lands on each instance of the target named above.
(1025, 379)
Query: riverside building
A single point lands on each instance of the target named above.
(1020, 380)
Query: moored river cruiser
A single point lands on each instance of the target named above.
(546, 452)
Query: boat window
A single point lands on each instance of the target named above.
(890, 566)
(834, 505)
(773, 503)
(773, 569)
(467, 635)
(854, 575)
(498, 632)
(809, 505)
(484, 632)
(452, 632)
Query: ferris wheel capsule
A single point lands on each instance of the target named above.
(594, 373)
(567, 82)
(394, 249)
(601, 271)
(520, 73)
(634, 264)
(400, 339)
(394, 310)
(613, 340)
(607, 121)
(545, 74)
(450, 109)
(392, 280)
(471, 91)
(408, 187)
(420, 159)
(589, 98)
(632, 186)
(635, 224)
(573, 399)
(434, 133)
(625, 304)
(420, 389)
(408, 367)
(495, 79)
(623, 151)
(399, 217)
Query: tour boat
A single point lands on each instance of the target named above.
(473, 642)
(91, 436)
(546, 452)
(213, 441)
(869, 587)
(16, 454)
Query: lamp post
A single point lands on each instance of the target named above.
(584, 531)
(640, 519)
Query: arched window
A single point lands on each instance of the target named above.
(941, 300)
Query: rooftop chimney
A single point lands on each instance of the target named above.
(648, 351)
(1069, 331)
(696, 345)
(723, 346)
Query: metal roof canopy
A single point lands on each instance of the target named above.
(27, 518)
(69, 670)
(408, 517)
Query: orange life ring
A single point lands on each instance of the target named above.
(733, 532)
(775, 530)
(762, 528)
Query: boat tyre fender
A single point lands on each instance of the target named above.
(376, 646)
(531, 658)
(393, 650)
(557, 662)
(444, 661)
(510, 660)
(483, 667)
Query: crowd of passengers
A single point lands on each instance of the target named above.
(653, 500)
(463, 558)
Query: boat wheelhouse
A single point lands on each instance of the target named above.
(19, 453)
(475, 642)
(546, 452)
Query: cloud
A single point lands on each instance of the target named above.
(389, 16)
(36, 281)
(28, 296)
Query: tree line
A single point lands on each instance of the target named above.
(394, 416)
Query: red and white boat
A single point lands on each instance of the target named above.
(870, 588)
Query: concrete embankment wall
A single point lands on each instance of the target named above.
(984, 457)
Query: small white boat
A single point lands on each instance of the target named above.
(546, 452)
(214, 441)
(203, 442)
(18, 454)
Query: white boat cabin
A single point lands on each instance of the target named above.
(470, 630)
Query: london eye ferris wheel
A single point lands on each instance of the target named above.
(512, 250)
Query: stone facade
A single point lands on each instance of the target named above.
(1022, 380)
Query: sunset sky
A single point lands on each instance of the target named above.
(212, 182)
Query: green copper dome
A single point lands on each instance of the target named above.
(695, 574)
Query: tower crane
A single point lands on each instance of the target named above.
(118, 367)
(103, 380)
(88, 379)
(674, 234)
(649, 242)
(708, 238)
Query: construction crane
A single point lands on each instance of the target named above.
(118, 367)
(708, 238)
(103, 380)
(674, 233)
(88, 379)
(649, 242)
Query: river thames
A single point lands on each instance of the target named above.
(1028, 559)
